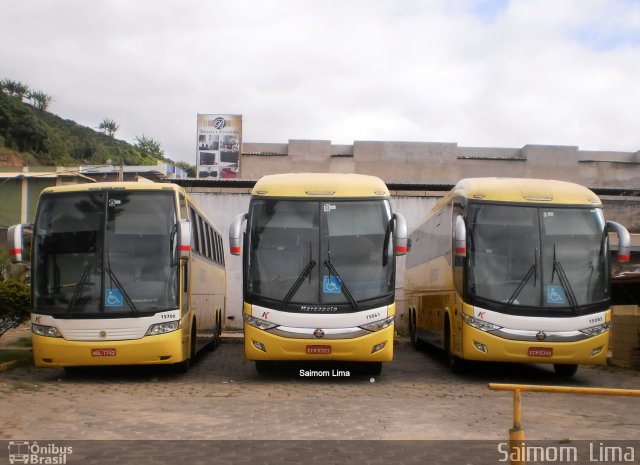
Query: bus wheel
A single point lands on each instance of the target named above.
(183, 366)
(372, 368)
(565, 371)
(217, 331)
(263, 367)
(413, 331)
(456, 364)
(73, 371)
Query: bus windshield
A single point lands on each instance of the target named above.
(542, 257)
(320, 252)
(105, 254)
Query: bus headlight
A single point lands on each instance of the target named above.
(42, 330)
(258, 323)
(163, 328)
(479, 324)
(378, 325)
(595, 330)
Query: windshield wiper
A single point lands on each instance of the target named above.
(557, 266)
(296, 285)
(113, 277)
(79, 285)
(525, 280)
(343, 287)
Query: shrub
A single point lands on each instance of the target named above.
(14, 304)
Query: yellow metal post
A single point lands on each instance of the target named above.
(516, 434)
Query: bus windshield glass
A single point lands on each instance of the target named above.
(319, 252)
(105, 253)
(542, 257)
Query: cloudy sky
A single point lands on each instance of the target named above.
(501, 73)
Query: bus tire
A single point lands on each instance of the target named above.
(217, 331)
(413, 331)
(183, 367)
(372, 368)
(565, 371)
(263, 367)
(73, 371)
(455, 363)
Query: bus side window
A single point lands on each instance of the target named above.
(195, 233)
(210, 243)
(458, 261)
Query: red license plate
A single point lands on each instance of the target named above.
(540, 352)
(103, 352)
(323, 350)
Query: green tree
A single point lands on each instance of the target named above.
(30, 133)
(109, 127)
(40, 100)
(149, 147)
(15, 88)
(15, 300)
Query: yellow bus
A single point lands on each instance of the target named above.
(121, 273)
(513, 270)
(319, 272)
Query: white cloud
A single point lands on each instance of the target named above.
(487, 72)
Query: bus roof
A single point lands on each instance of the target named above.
(309, 185)
(92, 186)
(525, 190)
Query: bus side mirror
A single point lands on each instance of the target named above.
(624, 240)
(401, 235)
(460, 237)
(184, 245)
(19, 242)
(235, 234)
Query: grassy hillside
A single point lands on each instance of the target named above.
(29, 135)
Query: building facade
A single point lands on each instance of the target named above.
(443, 163)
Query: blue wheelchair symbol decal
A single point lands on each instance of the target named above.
(331, 285)
(555, 295)
(113, 297)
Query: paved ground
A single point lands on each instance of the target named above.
(223, 398)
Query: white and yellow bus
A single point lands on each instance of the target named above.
(121, 274)
(514, 270)
(319, 269)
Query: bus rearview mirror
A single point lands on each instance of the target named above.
(19, 242)
(235, 234)
(401, 235)
(184, 246)
(460, 237)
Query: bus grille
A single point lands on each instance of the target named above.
(104, 334)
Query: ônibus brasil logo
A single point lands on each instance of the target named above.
(34, 453)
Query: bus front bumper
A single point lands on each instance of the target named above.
(482, 346)
(150, 350)
(374, 347)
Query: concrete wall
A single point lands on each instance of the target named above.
(222, 208)
(442, 163)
